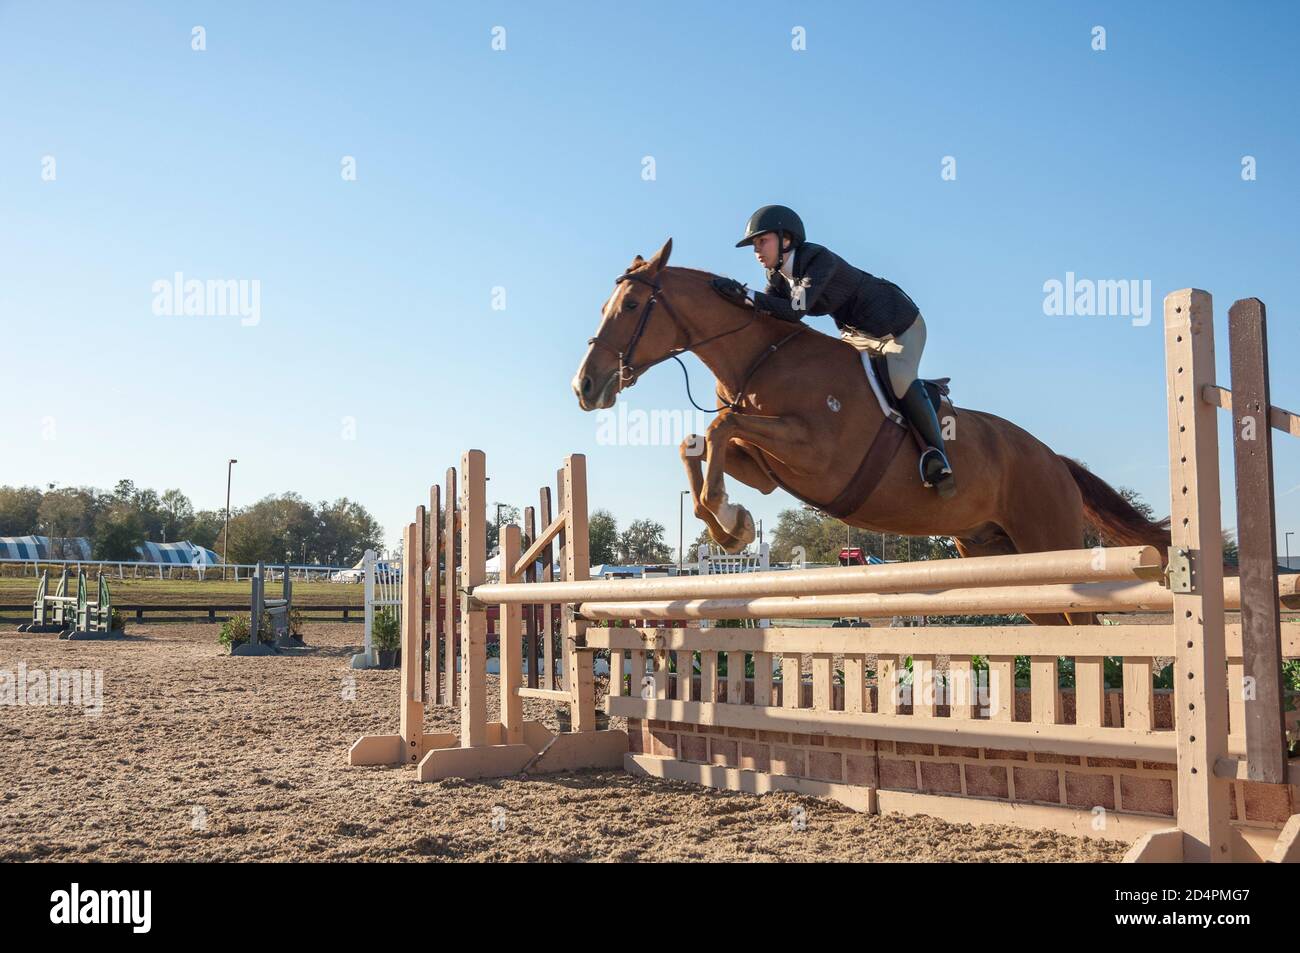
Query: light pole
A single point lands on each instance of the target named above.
(499, 505)
(681, 527)
(1286, 539)
(225, 535)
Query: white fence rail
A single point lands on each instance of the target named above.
(712, 561)
(123, 568)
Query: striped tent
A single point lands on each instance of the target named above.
(38, 547)
(168, 554)
(178, 554)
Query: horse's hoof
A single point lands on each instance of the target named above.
(725, 541)
(744, 531)
(734, 538)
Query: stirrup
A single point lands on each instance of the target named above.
(945, 471)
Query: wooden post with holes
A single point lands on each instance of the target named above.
(579, 674)
(473, 621)
(509, 631)
(1200, 661)
(411, 710)
(450, 581)
(434, 593)
(562, 558)
(530, 611)
(547, 609)
(421, 597)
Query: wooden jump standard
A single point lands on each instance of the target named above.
(1178, 776)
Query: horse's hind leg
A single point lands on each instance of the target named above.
(1040, 532)
(991, 542)
(997, 542)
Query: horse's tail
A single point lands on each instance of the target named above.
(1114, 518)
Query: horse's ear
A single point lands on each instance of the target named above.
(637, 262)
(660, 259)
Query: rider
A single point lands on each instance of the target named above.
(870, 312)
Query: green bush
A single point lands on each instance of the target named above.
(386, 632)
(235, 631)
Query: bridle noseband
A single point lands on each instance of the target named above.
(628, 372)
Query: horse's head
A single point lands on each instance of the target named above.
(636, 330)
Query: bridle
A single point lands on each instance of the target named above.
(628, 372)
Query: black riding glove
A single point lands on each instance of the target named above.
(731, 289)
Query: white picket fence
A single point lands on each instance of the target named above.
(383, 582)
(713, 561)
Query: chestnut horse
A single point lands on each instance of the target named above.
(799, 411)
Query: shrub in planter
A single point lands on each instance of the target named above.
(235, 630)
(387, 638)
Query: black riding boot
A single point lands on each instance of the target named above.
(935, 470)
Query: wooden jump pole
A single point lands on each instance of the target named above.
(1095, 565)
(1091, 597)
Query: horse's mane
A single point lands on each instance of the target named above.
(697, 272)
(679, 269)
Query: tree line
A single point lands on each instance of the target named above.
(278, 528)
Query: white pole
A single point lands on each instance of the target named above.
(369, 562)
(367, 658)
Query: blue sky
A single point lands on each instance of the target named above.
(379, 356)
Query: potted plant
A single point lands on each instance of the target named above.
(387, 638)
(234, 631)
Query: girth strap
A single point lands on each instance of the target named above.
(871, 470)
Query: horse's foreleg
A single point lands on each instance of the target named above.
(730, 525)
(692, 452)
(760, 432)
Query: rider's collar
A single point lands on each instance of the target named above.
(787, 265)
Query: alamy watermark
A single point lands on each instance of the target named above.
(215, 297)
(1087, 297)
(620, 426)
(977, 688)
(80, 688)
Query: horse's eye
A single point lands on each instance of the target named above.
(629, 305)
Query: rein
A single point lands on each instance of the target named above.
(628, 372)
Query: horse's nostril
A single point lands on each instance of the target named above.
(586, 385)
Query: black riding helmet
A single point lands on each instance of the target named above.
(773, 218)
